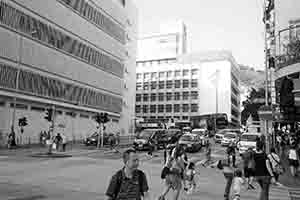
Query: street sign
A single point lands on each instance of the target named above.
(265, 113)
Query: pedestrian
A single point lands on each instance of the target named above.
(231, 153)
(237, 184)
(293, 160)
(165, 175)
(111, 140)
(58, 140)
(117, 138)
(249, 167)
(189, 179)
(151, 146)
(228, 172)
(263, 171)
(275, 163)
(64, 142)
(129, 183)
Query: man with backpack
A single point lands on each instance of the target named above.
(129, 183)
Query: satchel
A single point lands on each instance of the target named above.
(278, 169)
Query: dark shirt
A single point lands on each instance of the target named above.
(129, 188)
(260, 164)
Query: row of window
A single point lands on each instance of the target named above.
(34, 28)
(155, 62)
(89, 12)
(234, 112)
(153, 85)
(234, 79)
(166, 118)
(168, 74)
(234, 101)
(234, 90)
(168, 96)
(166, 108)
(38, 85)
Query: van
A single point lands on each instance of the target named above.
(248, 140)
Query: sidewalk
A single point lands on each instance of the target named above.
(287, 179)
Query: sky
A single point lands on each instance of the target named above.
(234, 25)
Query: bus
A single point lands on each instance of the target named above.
(211, 122)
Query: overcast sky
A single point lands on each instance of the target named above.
(234, 25)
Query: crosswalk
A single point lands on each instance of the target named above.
(294, 193)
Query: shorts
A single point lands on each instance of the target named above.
(294, 163)
(248, 172)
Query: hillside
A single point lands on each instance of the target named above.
(251, 77)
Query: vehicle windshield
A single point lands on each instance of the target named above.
(249, 138)
(198, 132)
(230, 135)
(94, 134)
(187, 138)
(145, 134)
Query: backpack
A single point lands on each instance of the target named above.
(119, 175)
(278, 169)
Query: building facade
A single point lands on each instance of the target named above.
(76, 56)
(187, 86)
(287, 68)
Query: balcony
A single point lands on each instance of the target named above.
(288, 47)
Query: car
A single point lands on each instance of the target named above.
(203, 133)
(92, 140)
(172, 136)
(230, 137)
(191, 142)
(248, 140)
(220, 134)
(142, 141)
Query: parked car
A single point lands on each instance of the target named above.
(230, 137)
(248, 140)
(191, 141)
(92, 140)
(142, 141)
(203, 133)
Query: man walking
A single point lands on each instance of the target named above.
(129, 183)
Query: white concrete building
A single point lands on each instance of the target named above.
(76, 55)
(185, 87)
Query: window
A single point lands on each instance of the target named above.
(39, 109)
(138, 86)
(234, 79)
(55, 38)
(185, 83)
(194, 72)
(185, 107)
(84, 116)
(146, 85)
(153, 109)
(176, 108)
(145, 97)
(176, 96)
(138, 76)
(153, 75)
(177, 83)
(234, 90)
(145, 108)
(160, 96)
(71, 114)
(161, 85)
(2, 103)
(169, 84)
(234, 113)
(161, 74)
(176, 117)
(185, 95)
(185, 117)
(153, 97)
(234, 101)
(177, 73)
(169, 108)
(138, 97)
(169, 74)
(161, 108)
(194, 83)
(147, 76)
(194, 95)
(194, 107)
(169, 96)
(185, 72)
(153, 85)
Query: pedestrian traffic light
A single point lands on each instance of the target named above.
(101, 118)
(49, 113)
(105, 118)
(271, 62)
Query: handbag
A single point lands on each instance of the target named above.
(278, 168)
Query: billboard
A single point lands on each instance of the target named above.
(158, 47)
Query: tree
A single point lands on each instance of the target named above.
(251, 105)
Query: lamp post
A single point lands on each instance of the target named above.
(217, 98)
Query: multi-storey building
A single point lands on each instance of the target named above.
(76, 56)
(287, 68)
(188, 86)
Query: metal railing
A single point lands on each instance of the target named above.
(288, 48)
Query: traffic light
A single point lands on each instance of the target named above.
(105, 118)
(23, 122)
(101, 118)
(271, 62)
(49, 113)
